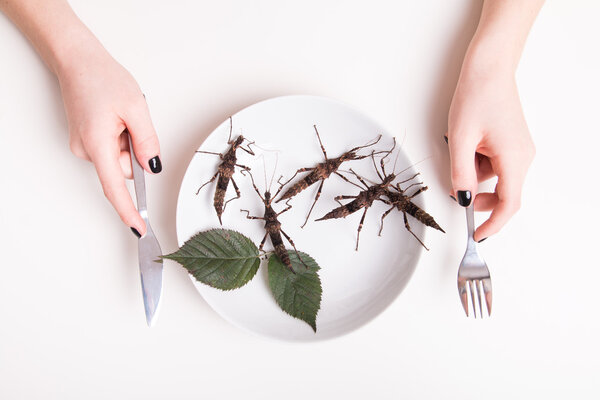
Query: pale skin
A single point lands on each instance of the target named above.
(101, 98)
(487, 132)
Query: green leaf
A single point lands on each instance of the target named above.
(221, 258)
(297, 294)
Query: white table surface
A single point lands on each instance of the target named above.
(71, 314)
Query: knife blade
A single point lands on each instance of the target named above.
(151, 266)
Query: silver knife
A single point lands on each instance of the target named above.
(151, 266)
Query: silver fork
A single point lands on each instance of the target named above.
(473, 272)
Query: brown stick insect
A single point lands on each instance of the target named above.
(273, 226)
(226, 170)
(398, 199)
(322, 171)
(365, 198)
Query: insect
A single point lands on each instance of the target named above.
(273, 226)
(226, 170)
(322, 171)
(398, 199)
(365, 198)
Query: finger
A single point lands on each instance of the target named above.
(125, 163)
(106, 160)
(143, 136)
(508, 192)
(485, 201)
(462, 148)
(78, 149)
(484, 168)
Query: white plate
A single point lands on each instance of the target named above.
(357, 286)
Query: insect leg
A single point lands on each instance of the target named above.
(372, 143)
(375, 165)
(293, 176)
(414, 184)
(419, 191)
(359, 178)
(248, 150)
(342, 197)
(387, 153)
(411, 232)
(321, 143)
(262, 242)
(211, 180)
(280, 187)
(409, 179)
(287, 203)
(250, 216)
(210, 152)
(237, 192)
(315, 202)
(385, 214)
(348, 180)
(242, 167)
(289, 239)
(253, 184)
(360, 225)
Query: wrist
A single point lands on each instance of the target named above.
(73, 53)
(486, 59)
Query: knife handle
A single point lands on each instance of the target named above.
(138, 180)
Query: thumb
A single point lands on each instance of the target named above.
(462, 166)
(144, 138)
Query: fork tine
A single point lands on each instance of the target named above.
(487, 290)
(471, 287)
(478, 290)
(462, 292)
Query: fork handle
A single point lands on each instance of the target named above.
(470, 226)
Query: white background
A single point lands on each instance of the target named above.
(71, 314)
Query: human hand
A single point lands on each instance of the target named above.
(487, 137)
(102, 100)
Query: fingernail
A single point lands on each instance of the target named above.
(453, 198)
(446, 139)
(155, 165)
(464, 198)
(481, 240)
(135, 232)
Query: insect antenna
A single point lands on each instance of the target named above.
(230, 129)
(396, 160)
(274, 169)
(264, 169)
(410, 166)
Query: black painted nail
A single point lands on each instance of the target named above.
(446, 138)
(135, 232)
(464, 197)
(481, 240)
(155, 165)
(453, 198)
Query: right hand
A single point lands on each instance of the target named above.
(102, 100)
(488, 137)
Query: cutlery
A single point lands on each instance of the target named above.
(151, 265)
(473, 272)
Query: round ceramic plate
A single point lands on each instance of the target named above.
(357, 285)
